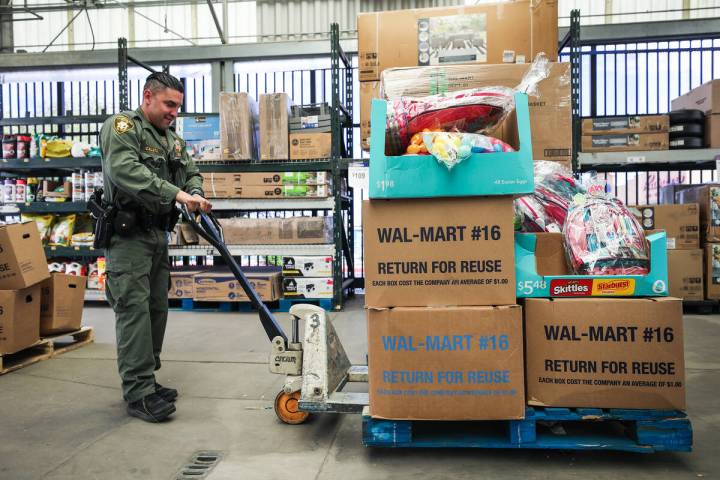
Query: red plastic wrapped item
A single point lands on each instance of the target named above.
(545, 210)
(602, 237)
(475, 110)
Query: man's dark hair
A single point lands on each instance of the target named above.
(160, 81)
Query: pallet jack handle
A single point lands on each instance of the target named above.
(207, 226)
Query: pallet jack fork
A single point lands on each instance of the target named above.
(316, 369)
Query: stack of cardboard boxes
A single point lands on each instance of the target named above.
(624, 134)
(307, 277)
(681, 224)
(32, 302)
(508, 33)
(708, 198)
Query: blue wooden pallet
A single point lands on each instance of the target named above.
(282, 305)
(641, 431)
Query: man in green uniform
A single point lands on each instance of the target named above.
(146, 170)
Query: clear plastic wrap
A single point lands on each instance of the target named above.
(546, 209)
(602, 237)
(451, 148)
(473, 110)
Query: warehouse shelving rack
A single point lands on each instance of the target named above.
(339, 205)
(637, 161)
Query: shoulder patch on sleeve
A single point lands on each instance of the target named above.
(123, 124)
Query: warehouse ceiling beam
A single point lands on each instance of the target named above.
(62, 6)
(221, 34)
(173, 55)
(646, 31)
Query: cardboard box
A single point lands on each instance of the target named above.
(422, 176)
(541, 270)
(274, 126)
(277, 231)
(223, 286)
(438, 252)
(685, 274)
(22, 258)
(706, 97)
(202, 136)
(629, 142)
(712, 271)
(368, 91)
(310, 146)
(304, 287)
(506, 32)
(628, 124)
(61, 303)
(605, 352)
(298, 266)
(680, 222)
(181, 283)
(668, 193)
(712, 130)
(271, 191)
(447, 363)
(19, 318)
(708, 197)
(238, 126)
(550, 115)
(219, 185)
(57, 189)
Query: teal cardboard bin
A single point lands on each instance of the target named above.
(544, 253)
(422, 176)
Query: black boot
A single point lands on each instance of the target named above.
(167, 394)
(151, 408)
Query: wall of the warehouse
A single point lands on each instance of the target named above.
(270, 20)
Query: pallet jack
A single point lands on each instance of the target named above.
(317, 369)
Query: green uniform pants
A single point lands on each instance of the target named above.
(137, 289)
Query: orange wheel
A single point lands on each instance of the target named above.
(286, 408)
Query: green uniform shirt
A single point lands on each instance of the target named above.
(136, 163)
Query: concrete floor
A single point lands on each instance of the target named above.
(64, 418)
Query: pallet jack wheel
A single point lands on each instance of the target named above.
(286, 408)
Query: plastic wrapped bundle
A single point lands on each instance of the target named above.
(545, 210)
(602, 237)
(451, 148)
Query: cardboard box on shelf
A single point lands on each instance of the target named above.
(437, 252)
(19, 318)
(271, 191)
(61, 304)
(627, 142)
(310, 146)
(304, 287)
(238, 126)
(217, 185)
(304, 266)
(57, 190)
(706, 97)
(201, 134)
(668, 193)
(274, 126)
(22, 258)
(685, 274)
(550, 116)
(712, 130)
(277, 231)
(220, 286)
(628, 124)
(446, 363)
(181, 283)
(680, 222)
(712, 271)
(708, 197)
(506, 32)
(605, 352)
